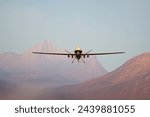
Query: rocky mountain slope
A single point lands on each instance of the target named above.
(130, 81)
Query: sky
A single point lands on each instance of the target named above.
(101, 25)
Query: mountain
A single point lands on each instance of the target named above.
(30, 73)
(130, 81)
(32, 66)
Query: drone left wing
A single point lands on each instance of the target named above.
(53, 53)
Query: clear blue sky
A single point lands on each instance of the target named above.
(101, 25)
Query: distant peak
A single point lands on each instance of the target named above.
(46, 42)
(44, 46)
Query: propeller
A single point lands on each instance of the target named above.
(88, 51)
(67, 51)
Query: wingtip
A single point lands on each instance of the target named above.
(122, 52)
(34, 52)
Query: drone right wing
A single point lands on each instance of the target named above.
(104, 53)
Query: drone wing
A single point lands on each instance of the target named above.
(104, 53)
(52, 53)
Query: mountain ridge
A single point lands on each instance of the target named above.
(130, 81)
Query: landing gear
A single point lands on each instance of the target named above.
(73, 60)
(82, 60)
(78, 60)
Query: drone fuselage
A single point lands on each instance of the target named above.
(78, 53)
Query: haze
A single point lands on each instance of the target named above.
(101, 25)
